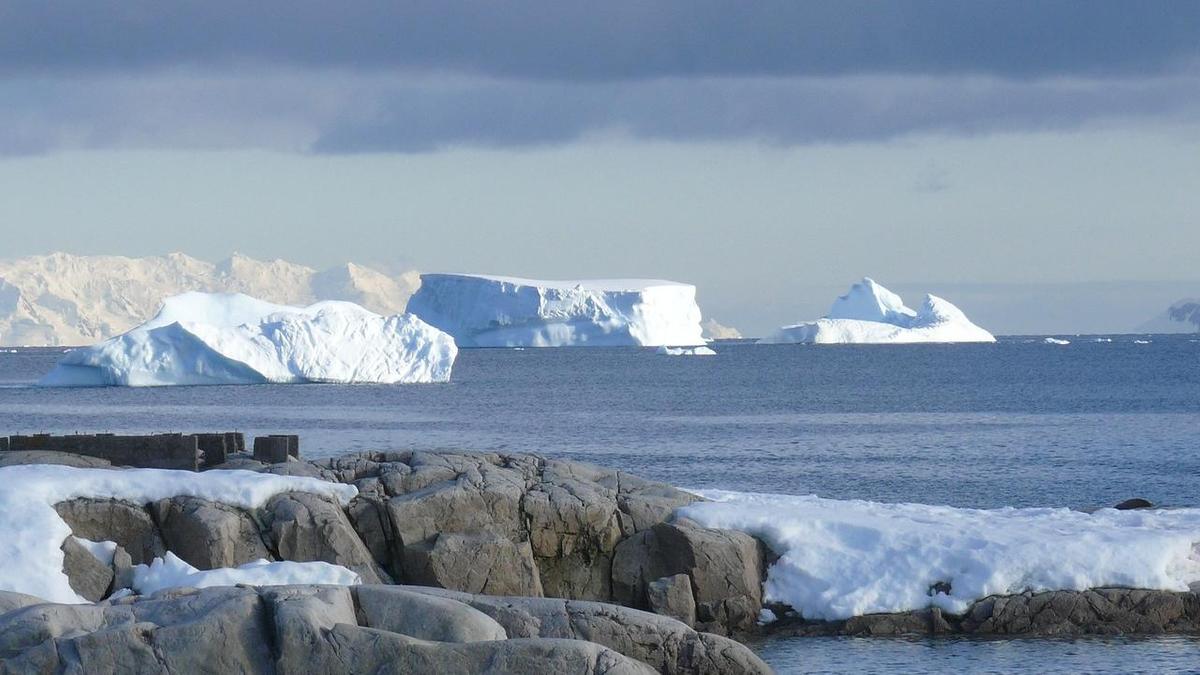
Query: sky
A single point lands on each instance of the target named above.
(1036, 162)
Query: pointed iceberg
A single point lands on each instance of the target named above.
(217, 338)
(871, 314)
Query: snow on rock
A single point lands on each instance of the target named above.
(202, 338)
(172, 572)
(871, 314)
(31, 531)
(848, 558)
(686, 351)
(488, 311)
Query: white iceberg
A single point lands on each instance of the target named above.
(203, 338)
(488, 311)
(848, 558)
(1056, 341)
(686, 351)
(871, 314)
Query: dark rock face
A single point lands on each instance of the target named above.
(1101, 611)
(306, 629)
(110, 520)
(1135, 503)
(725, 568)
(209, 535)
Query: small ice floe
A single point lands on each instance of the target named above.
(1056, 341)
(1141, 342)
(686, 351)
(1102, 340)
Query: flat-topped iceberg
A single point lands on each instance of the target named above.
(871, 314)
(215, 338)
(488, 311)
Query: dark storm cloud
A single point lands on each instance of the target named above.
(611, 40)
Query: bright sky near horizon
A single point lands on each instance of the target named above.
(771, 153)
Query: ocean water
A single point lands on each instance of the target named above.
(1017, 423)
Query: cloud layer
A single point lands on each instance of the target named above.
(373, 76)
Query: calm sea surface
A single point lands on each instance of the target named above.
(1017, 423)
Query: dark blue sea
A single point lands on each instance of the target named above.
(1017, 423)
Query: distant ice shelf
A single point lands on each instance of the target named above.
(491, 311)
(203, 338)
(871, 314)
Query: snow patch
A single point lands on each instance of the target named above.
(172, 572)
(31, 531)
(203, 338)
(871, 314)
(489, 311)
(847, 558)
(101, 550)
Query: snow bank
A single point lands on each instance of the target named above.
(871, 314)
(686, 351)
(31, 531)
(172, 572)
(486, 311)
(203, 338)
(848, 558)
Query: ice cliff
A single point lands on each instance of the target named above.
(203, 338)
(871, 314)
(487, 311)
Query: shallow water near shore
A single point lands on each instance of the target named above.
(1018, 423)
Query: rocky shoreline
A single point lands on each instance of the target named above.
(470, 561)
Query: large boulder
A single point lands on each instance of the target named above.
(725, 568)
(306, 527)
(129, 525)
(672, 596)
(302, 616)
(88, 575)
(11, 601)
(209, 534)
(478, 562)
(18, 457)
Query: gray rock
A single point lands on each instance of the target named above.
(366, 650)
(1135, 503)
(88, 576)
(12, 601)
(480, 562)
(18, 457)
(725, 567)
(110, 520)
(483, 497)
(369, 517)
(208, 534)
(672, 596)
(425, 617)
(664, 643)
(302, 617)
(122, 569)
(213, 630)
(305, 527)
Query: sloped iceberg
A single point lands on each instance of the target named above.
(488, 311)
(871, 314)
(217, 338)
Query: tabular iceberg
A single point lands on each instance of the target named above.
(203, 338)
(871, 314)
(487, 311)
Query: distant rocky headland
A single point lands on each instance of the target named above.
(467, 562)
(65, 299)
